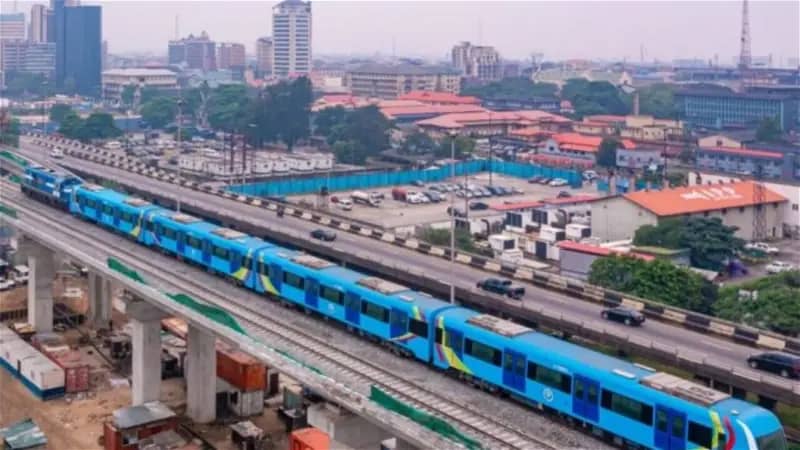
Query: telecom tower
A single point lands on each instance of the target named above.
(760, 211)
(745, 57)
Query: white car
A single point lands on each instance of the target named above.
(56, 153)
(558, 182)
(762, 246)
(780, 266)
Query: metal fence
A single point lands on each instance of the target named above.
(382, 179)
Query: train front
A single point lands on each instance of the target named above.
(749, 427)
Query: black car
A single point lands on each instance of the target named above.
(787, 366)
(323, 235)
(502, 287)
(458, 212)
(534, 180)
(564, 194)
(478, 206)
(627, 316)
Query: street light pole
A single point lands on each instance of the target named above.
(180, 120)
(453, 219)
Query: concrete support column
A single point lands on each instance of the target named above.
(146, 343)
(201, 375)
(99, 301)
(352, 431)
(40, 285)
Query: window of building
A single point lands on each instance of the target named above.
(485, 353)
(795, 206)
(628, 407)
(550, 377)
(331, 295)
(293, 280)
(377, 312)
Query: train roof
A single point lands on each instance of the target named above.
(55, 173)
(759, 420)
(200, 227)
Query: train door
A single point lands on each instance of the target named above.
(398, 323)
(514, 370)
(670, 429)
(98, 211)
(206, 250)
(276, 276)
(585, 398)
(312, 292)
(235, 261)
(116, 216)
(352, 308)
(455, 341)
(180, 242)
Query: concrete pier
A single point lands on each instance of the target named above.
(146, 343)
(40, 284)
(201, 375)
(100, 293)
(352, 431)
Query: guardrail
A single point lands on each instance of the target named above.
(738, 333)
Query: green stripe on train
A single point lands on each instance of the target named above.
(421, 417)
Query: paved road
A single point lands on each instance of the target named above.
(695, 345)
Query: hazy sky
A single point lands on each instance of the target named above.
(558, 29)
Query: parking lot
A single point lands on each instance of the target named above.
(393, 213)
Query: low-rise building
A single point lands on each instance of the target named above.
(578, 148)
(439, 98)
(639, 157)
(116, 80)
(618, 218)
(492, 123)
(740, 161)
(715, 107)
(393, 80)
(576, 258)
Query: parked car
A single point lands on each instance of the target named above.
(628, 316)
(323, 234)
(494, 190)
(564, 194)
(478, 206)
(590, 175)
(502, 287)
(557, 182)
(535, 180)
(787, 366)
(345, 204)
(458, 212)
(780, 266)
(762, 246)
(517, 191)
(56, 153)
(504, 190)
(434, 196)
(418, 183)
(544, 180)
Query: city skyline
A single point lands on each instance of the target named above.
(664, 30)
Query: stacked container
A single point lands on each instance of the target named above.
(38, 373)
(309, 439)
(246, 377)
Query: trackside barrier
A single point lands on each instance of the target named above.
(421, 417)
(690, 320)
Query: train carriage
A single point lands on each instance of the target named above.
(50, 186)
(119, 212)
(644, 407)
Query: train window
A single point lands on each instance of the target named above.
(418, 327)
(440, 336)
(399, 319)
(550, 377)
(193, 242)
(351, 301)
(148, 226)
(126, 217)
(91, 203)
(331, 295)
(108, 210)
(700, 434)
(578, 388)
(263, 269)
(220, 252)
(294, 280)
(591, 395)
(483, 352)
(454, 344)
(661, 421)
(377, 312)
(633, 409)
(248, 262)
(169, 233)
(677, 427)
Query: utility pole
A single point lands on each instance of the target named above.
(178, 140)
(453, 219)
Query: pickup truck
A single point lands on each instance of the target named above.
(502, 287)
(763, 246)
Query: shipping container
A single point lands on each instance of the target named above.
(309, 439)
(240, 369)
(76, 371)
(245, 404)
(42, 376)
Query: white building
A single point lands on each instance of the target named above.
(12, 27)
(264, 52)
(291, 35)
(477, 61)
(115, 81)
(40, 15)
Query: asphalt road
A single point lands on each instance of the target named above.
(695, 345)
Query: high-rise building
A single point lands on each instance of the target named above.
(264, 49)
(291, 34)
(230, 55)
(195, 52)
(24, 56)
(104, 57)
(12, 27)
(477, 61)
(12, 55)
(37, 32)
(78, 38)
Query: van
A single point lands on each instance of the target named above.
(21, 274)
(345, 204)
(56, 153)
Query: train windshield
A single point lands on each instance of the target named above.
(772, 441)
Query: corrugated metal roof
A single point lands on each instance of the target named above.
(24, 434)
(139, 415)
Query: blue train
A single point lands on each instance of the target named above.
(614, 398)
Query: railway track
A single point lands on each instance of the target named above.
(304, 346)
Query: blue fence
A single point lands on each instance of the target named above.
(623, 185)
(382, 179)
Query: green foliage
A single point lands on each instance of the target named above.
(325, 120)
(776, 307)
(418, 142)
(594, 97)
(159, 111)
(516, 87)
(607, 154)
(9, 134)
(658, 280)
(128, 92)
(441, 237)
(97, 126)
(363, 133)
(711, 242)
(227, 106)
(293, 108)
(20, 84)
(769, 130)
(464, 146)
(350, 152)
(658, 100)
(59, 111)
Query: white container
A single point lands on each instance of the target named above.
(43, 373)
(245, 404)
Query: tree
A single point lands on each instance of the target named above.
(72, 126)
(418, 142)
(658, 280)
(774, 305)
(295, 111)
(127, 95)
(101, 126)
(464, 146)
(325, 120)
(658, 100)
(518, 88)
(159, 112)
(668, 233)
(19, 84)
(226, 107)
(9, 131)
(441, 237)
(59, 111)
(769, 130)
(350, 152)
(594, 97)
(607, 153)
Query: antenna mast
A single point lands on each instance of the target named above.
(745, 57)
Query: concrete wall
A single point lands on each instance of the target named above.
(616, 219)
(576, 264)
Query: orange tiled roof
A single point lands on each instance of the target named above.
(607, 118)
(695, 199)
(395, 111)
(744, 152)
(439, 97)
(584, 143)
(523, 117)
(531, 132)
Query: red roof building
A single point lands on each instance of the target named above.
(439, 98)
(492, 123)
